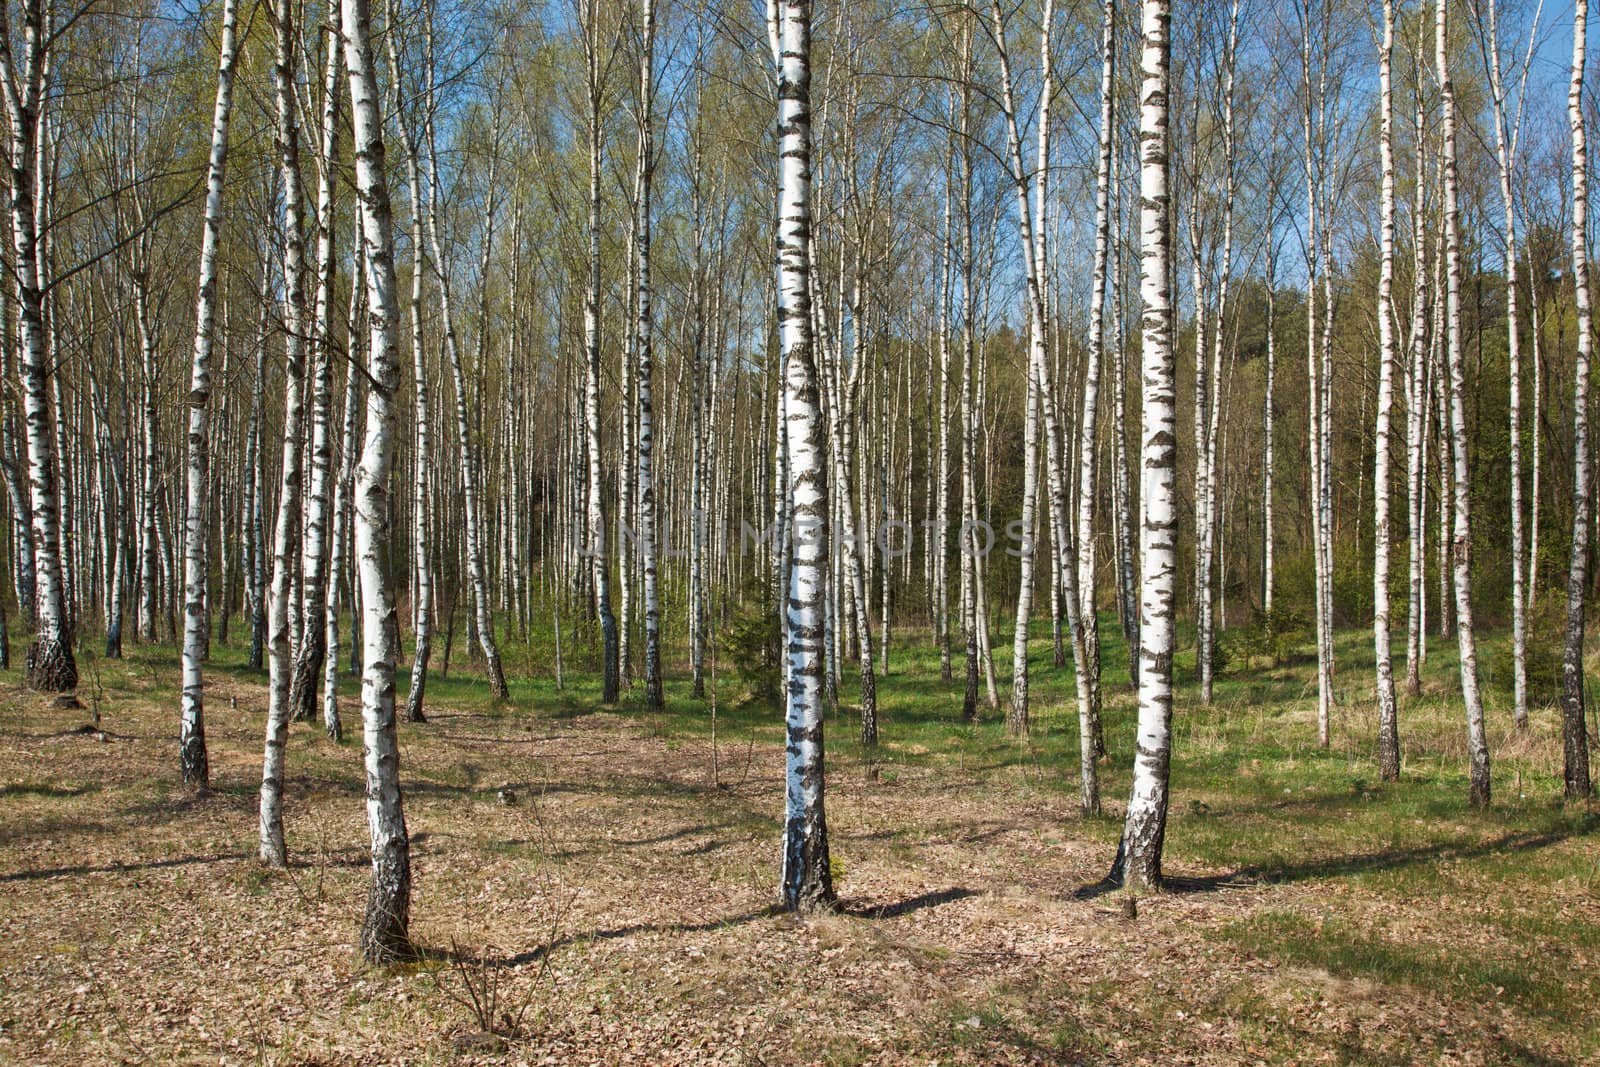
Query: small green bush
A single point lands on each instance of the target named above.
(750, 640)
(1546, 641)
(1273, 635)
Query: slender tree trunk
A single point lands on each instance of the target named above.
(1417, 427)
(384, 930)
(273, 850)
(1040, 374)
(51, 666)
(255, 520)
(1268, 415)
(648, 526)
(1089, 460)
(1128, 604)
(1533, 488)
(422, 507)
(1461, 537)
(193, 767)
(1388, 725)
(1207, 532)
(807, 881)
(941, 533)
(1317, 391)
(319, 488)
(966, 541)
(851, 540)
(1574, 740)
(1017, 715)
(1505, 154)
(599, 564)
(342, 487)
(1138, 862)
(477, 570)
(149, 543)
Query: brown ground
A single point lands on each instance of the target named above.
(626, 901)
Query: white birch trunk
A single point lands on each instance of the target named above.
(941, 532)
(807, 881)
(599, 563)
(1128, 603)
(1461, 535)
(422, 507)
(1040, 372)
(1575, 743)
(273, 850)
(1269, 416)
(1138, 863)
(648, 525)
(193, 767)
(51, 666)
(1417, 427)
(1388, 725)
(384, 929)
(332, 721)
(1089, 460)
(1505, 156)
(303, 689)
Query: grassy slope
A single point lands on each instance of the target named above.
(1322, 915)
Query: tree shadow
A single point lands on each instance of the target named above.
(856, 910)
(42, 789)
(900, 908)
(119, 868)
(1392, 859)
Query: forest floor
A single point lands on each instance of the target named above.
(620, 903)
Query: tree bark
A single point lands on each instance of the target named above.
(1138, 862)
(273, 850)
(51, 666)
(193, 766)
(1461, 533)
(807, 880)
(384, 933)
(648, 524)
(1388, 725)
(1574, 739)
(303, 688)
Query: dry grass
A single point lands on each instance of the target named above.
(624, 900)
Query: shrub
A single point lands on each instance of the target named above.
(1274, 635)
(1546, 642)
(750, 640)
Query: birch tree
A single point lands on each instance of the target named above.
(342, 487)
(1417, 398)
(648, 525)
(595, 69)
(51, 666)
(1089, 459)
(807, 882)
(1574, 740)
(1138, 862)
(273, 850)
(384, 930)
(1461, 532)
(477, 571)
(193, 766)
(1506, 135)
(1388, 728)
(1039, 370)
(422, 432)
(303, 689)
